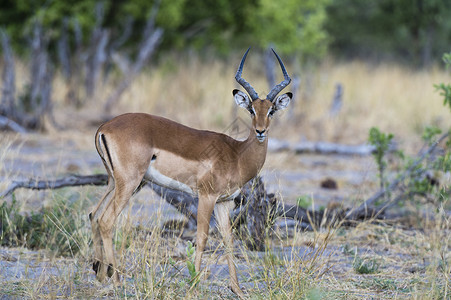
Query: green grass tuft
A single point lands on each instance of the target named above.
(60, 227)
(365, 266)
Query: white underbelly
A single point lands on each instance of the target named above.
(155, 176)
(177, 174)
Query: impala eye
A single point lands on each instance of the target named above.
(271, 113)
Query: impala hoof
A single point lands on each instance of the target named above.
(241, 293)
(110, 270)
(96, 266)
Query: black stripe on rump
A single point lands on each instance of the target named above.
(107, 151)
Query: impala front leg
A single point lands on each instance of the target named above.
(204, 212)
(222, 214)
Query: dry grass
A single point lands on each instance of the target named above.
(197, 92)
(393, 98)
(403, 263)
(411, 264)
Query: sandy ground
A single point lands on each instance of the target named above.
(398, 250)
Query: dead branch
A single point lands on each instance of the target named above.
(8, 124)
(253, 200)
(72, 180)
(326, 148)
(253, 204)
(183, 202)
(367, 208)
(337, 101)
(253, 210)
(332, 148)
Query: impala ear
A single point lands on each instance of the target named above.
(282, 101)
(241, 99)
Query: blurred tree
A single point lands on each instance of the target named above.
(292, 26)
(218, 23)
(349, 24)
(17, 17)
(414, 31)
(417, 22)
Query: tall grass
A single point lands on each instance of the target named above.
(370, 260)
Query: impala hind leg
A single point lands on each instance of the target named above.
(96, 238)
(122, 194)
(222, 214)
(204, 212)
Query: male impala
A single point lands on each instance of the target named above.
(139, 147)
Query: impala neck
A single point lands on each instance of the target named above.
(253, 155)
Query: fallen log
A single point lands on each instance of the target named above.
(183, 202)
(8, 124)
(251, 210)
(326, 148)
(255, 209)
(332, 148)
(71, 180)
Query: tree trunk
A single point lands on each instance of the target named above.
(97, 52)
(39, 104)
(7, 104)
(150, 41)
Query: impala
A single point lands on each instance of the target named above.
(139, 147)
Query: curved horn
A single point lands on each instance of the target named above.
(275, 90)
(242, 81)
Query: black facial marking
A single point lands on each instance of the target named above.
(154, 157)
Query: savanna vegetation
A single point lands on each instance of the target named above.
(69, 66)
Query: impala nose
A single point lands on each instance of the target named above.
(260, 134)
